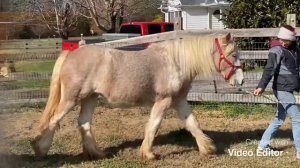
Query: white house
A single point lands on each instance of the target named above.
(195, 14)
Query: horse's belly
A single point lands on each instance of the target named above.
(127, 85)
(130, 98)
(127, 95)
(128, 103)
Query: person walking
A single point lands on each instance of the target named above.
(283, 65)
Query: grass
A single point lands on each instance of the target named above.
(234, 109)
(259, 69)
(114, 139)
(230, 110)
(22, 145)
(22, 84)
(20, 108)
(175, 146)
(119, 163)
(38, 106)
(256, 69)
(29, 66)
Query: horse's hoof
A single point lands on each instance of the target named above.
(94, 155)
(148, 156)
(208, 151)
(211, 150)
(38, 152)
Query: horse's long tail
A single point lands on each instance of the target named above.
(54, 94)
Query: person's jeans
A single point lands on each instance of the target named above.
(286, 105)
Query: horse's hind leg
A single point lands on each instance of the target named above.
(152, 126)
(204, 143)
(84, 121)
(42, 142)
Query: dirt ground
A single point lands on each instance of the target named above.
(119, 132)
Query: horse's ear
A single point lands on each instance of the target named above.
(226, 38)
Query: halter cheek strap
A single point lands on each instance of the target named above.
(223, 57)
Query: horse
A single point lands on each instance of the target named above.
(159, 76)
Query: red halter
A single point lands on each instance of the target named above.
(224, 57)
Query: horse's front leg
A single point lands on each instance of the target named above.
(204, 143)
(156, 116)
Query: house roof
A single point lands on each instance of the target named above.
(203, 2)
(177, 5)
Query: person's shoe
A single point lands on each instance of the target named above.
(268, 148)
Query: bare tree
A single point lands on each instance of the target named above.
(134, 8)
(108, 14)
(39, 29)
(59, 16)
(104, 13)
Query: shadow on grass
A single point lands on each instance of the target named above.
(222, 140)
(29, 160)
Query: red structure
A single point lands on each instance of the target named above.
(146, 28)
(142, 28)
(70, 45)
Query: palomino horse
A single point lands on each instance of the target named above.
(160, 75)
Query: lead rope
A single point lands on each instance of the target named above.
(266, 97)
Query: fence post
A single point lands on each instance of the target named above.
(215, 86)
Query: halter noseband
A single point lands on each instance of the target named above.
(224, 57)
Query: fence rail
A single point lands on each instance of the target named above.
(30, 46)
(203, 89)
(42, 94)
(233, 97)
(253, 55)
(29, 56)
(263, 32)
(47, 75)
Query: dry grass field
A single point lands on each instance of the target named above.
(119, 132)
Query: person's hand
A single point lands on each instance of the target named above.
(258, 91)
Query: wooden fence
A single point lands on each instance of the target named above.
(30, 46)
(203, 89)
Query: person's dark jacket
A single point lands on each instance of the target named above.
(283, 64)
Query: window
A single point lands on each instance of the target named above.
(152, 29)
(178, 14)
(217, 14)
(136, 29)
(173, 15)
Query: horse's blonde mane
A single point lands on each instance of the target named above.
(193, 54)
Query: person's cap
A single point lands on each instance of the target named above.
(286, 34)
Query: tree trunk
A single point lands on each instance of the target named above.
(65, 35)
(121, 18)
(113, 20)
